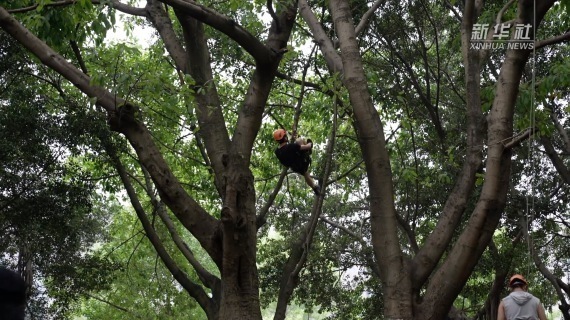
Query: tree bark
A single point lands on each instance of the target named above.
(240, 289)
(448, 280)
(209, 109)
(438, 240)
(230, 242)
(392, 263)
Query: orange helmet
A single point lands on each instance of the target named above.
(279, 134)
(517, 279)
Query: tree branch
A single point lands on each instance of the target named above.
(300, 248)
(405, 226)
(207, 278)
(125, 8)
(518, 138)
(559, 127)
(556, 161)
(112, 305)
(251, 112)
(484, 219)
(260, 52)
(424, 96)
(453, 10)
(272, 13)
(438, 240)
(313, 85)
(78, 55)
(331, 56)
(369, 259)
(114, 4)
(193, 289)
(502, 11)
(299, 104)
(53, 60)
(121, 118)
(160, 19)
(365, 20)
(346, 173)
(554, 40)
(209, 113)
(261, 220)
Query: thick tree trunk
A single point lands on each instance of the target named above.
(438, 240)
(449, 279)
(240, 286)
(396, 281)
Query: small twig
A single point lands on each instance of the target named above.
(111, 304)
(346, 173)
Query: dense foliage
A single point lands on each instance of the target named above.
(50, 214)
(63, 188)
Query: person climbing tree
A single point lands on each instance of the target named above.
(520, 304)
(296, 155)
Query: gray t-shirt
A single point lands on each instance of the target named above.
(521, 305)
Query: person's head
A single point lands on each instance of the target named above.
(12, 295)
(518, 281)
(280, 135)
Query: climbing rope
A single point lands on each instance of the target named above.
(530, 204)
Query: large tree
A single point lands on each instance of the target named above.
(419, 278)
(404, 278)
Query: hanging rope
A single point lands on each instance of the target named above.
(530, 204)
(297, 115)
(301, 246)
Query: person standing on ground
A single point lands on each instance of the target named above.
(520, 304)
(296, 155)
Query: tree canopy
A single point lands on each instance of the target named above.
(150, 170)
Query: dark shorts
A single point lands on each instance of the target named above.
(302, 165)
(291, 156)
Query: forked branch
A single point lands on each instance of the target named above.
(226, 25)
